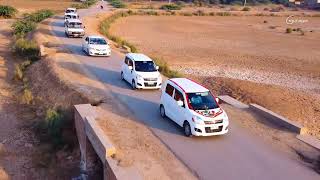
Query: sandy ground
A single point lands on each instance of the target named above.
(253, 60)
(25, 6)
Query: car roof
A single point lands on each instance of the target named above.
(74, 20)
(73, 9)
(138, 57)
(95, 36)
(188, 85)
(73, 14)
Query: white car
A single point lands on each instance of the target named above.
(193, 107)
(69, 16)
(141, 72)
(70, 10)
(96, 46)
(74, 28)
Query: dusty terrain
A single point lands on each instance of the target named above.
(251, 58)
(33, 5)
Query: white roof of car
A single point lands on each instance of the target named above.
(72, 9)
(95, 36)
(74, 21)
(71, 14)
(138, 57)
(188, 85)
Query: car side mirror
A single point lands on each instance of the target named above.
(157, 67)
(130, 67)
(180, 103)
(218, 100)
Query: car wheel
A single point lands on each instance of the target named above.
(187, 129)
(162, 111)
(133, 85)
(122, 77)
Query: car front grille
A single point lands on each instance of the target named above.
(209, 130)
(76, 32)
(150, 79)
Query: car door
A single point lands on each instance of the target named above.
(130, 71)
(85, 44)
(178, 111)
(168, 100)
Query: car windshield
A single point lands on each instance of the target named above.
(75, 25)
(202, 101)
(70, 11)
(97, 41)
(145, 66)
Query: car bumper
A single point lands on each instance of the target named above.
(70, 34)
(210, 130)
(99, 53)
(148, 84)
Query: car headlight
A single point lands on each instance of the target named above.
(197, 120)
(139, 78)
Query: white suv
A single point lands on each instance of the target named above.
(141, 72)
(193, 107)
(69, 16)
(96, 46)
(70, 10)
(74, 28)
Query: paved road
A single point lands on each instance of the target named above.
(237, 155)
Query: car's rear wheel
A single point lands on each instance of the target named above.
(133, 84)
(122, 77)
(162, 111)
(187, 129)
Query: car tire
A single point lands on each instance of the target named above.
(133, 85)
(122, 77)
(187, 129)
(162, 111)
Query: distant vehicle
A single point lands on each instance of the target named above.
(141, 72)
(70, 16)
(96, 46)
(70, 10)
(74, 28)
(192, 107)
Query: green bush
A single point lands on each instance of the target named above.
(39, 16)
(165, 70)
(288, 30)
(19, 70)
(117, 3)
(7, 11)
(84, 5)
(20, 28)
(170, 7)
(54, 125)
(27, 49)
(223, 14)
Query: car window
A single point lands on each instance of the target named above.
(130, 62)
(178, 96)
(126, 60)
(169, 89)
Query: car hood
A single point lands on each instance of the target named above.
(97, 46)
(75, 29)
(154, 74)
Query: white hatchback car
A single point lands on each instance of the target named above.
(69, 16)
(70, 10)
(193, 107)
(96, 46)
(141, 72)
(74, 28)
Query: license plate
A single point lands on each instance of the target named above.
(150, 83)
(214, 128)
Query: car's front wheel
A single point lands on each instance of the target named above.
(162, 111)
(187, 129)
(133, 84)
(122, 77)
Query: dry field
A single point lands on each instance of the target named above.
(249, 57)
(25, 6)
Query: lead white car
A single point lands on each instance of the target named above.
(96, 46)
(141, 72)
(74, 28)
(193, 107)
(70, 10)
